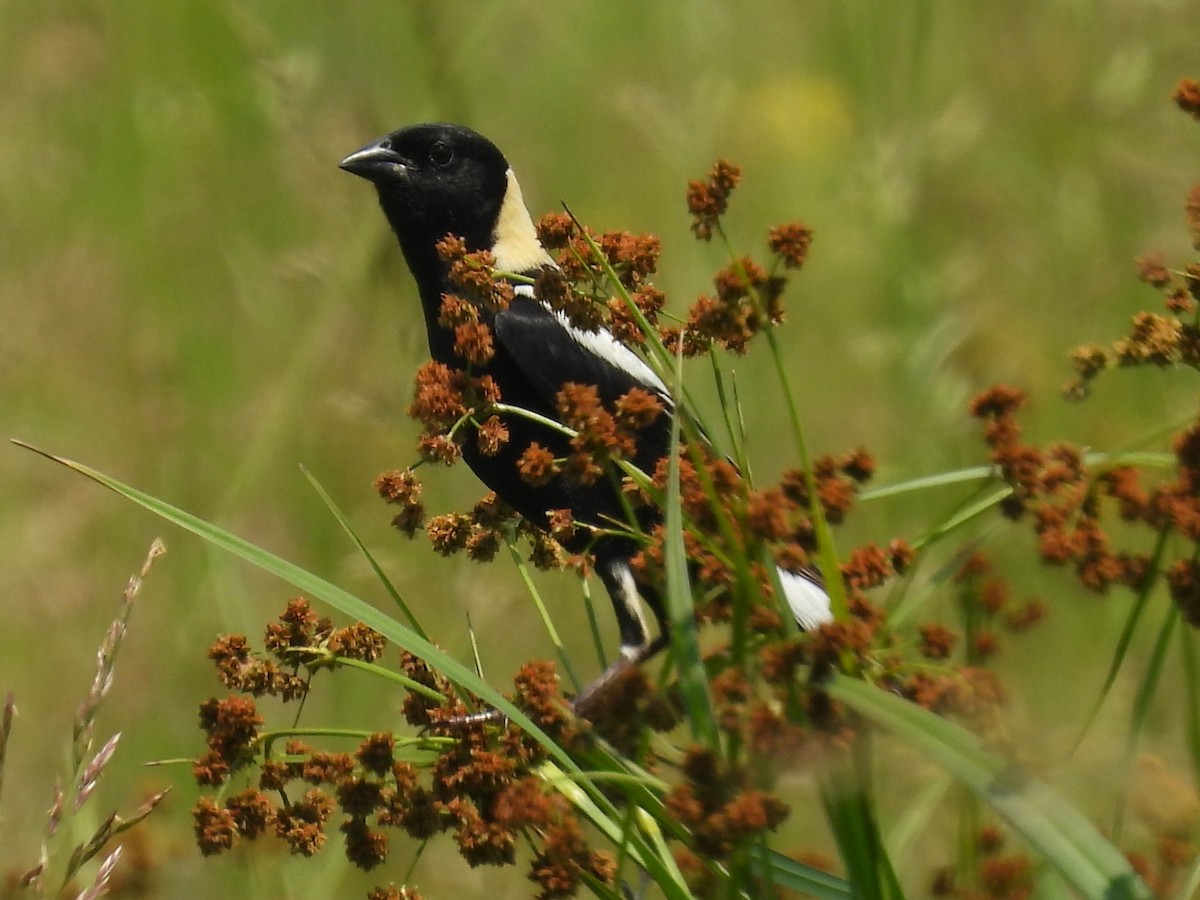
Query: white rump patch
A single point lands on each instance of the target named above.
(808, 601)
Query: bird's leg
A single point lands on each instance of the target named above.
(609, 676)
(636, 645)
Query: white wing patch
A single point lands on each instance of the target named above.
(807, 599)
(602, 344)
(516, 248)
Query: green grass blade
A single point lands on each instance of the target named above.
(367, 554)
(1126, 638)
(787, 873)
(678, 601)
(827, 556)
(979, 473)
(1143, 701)
(851, 812)
(659, 863)
(924, 483)
(1191, 676)
(544, 614)
(594, 625)
(1068, 841)
(346, 603)
(325, 591)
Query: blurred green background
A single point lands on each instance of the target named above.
(195, 300)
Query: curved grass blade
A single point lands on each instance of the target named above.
(370, 558)
(1191, 680)
(1142, 703)
(396, 632)
(318, 587)
(692, 680)
(797, 876)
(1068, 841)
(1126, 638)
(852, 813)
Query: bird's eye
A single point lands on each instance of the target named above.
(441, 153)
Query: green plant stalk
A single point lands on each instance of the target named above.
(980, 473)
(594, 626)
(536, 595)
(394, 631)
(685, 646)
(338, 515)
(850, 808)
(1141, 707)
(826, 548)
(332, 660)
(269, 739)
(737, 435)
(1124, 642)
(1191, 676)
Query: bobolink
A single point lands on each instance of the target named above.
(442, 180)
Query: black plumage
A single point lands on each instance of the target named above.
(437, 180)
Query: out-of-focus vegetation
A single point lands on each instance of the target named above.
(194, 299)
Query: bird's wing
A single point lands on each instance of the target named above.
(550, 352)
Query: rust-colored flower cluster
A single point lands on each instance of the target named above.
(444, 400)
(401, 488)
(581, 287)
(483, 530)
(716, 501)
(478, 787)
(1187, 97)
(1155, 338)
(708, 200)
(998, 876)
(298, 638)
(718, 804)
(602, 436)
(1068, 499)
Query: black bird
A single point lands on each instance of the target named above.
(439, 179)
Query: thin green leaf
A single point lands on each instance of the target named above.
(678, 601)
(1126, 638)
(797, 876)
(327, 592)
(979, 473)
(355, 608)
(547, 622)
(1068, 841)
(594, 625)
(831, 571)
(1143, 701)
(652, 855)
(851, 812)
(912, 823)
(1191, 695)
(341, 519)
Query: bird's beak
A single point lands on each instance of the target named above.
(375, 162)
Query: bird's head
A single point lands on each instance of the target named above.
(440, 179)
